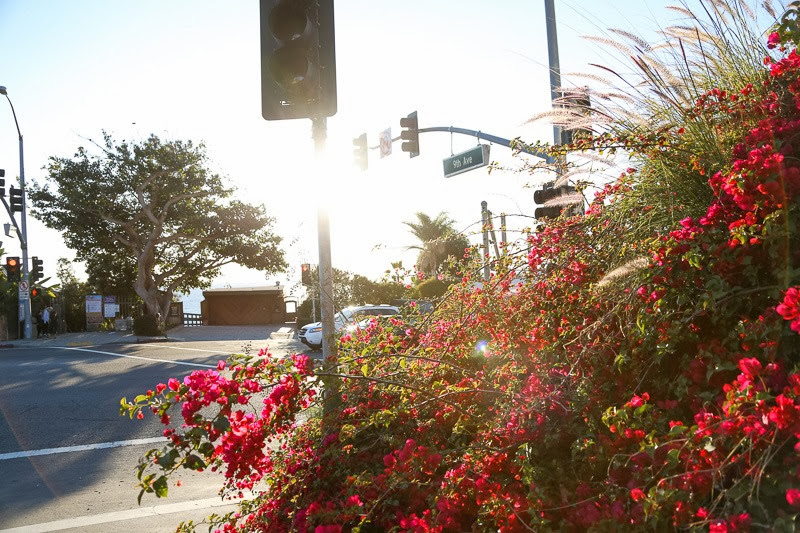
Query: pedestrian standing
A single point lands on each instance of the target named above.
(53, 321)
(46, 321)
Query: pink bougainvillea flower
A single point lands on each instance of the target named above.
(793, 497)
(638, 494)
(789, 309)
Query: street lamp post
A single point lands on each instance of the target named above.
(24, 298)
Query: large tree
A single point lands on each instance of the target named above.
(439, 241)
(156, 204)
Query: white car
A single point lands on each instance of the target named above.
(311, 334)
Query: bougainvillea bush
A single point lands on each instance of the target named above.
(610, 376)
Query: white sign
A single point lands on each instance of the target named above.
(386, 142)
(94, 303)
(23, 286)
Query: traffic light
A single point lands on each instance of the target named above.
(558, 198)
(36, 272)
(360, 151)
(298, 59)
(12, 268)
(15, 200)
(2, 182)
(34, 292)
(410, 135)
(579, 107)
(305, 274)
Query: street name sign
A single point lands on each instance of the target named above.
(465, 161)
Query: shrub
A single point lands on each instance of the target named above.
(612, 374)
(146, 325)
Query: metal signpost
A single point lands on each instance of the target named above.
(465, 161)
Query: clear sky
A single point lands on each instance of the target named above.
(190, 69)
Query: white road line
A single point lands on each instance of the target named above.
(80, 448)
(150, 359)
(194, 349)
(117, 516)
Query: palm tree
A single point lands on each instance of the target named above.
(438, 240)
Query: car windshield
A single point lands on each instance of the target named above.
(354, 314)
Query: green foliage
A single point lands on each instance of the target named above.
(439, 241)
(74, 294)
(431, 288)
(112, 272)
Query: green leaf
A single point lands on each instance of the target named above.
(140, 398)
(222, 424)
(206, 449)
(160, 487)
(673, 456)
(194, 462)
(677, 430)
(365, 369)
(168, 461)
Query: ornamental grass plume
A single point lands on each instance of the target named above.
(636, 368)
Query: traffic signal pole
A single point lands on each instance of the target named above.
(508, 143)
(24, 299)
(555, 66)
(329, 348)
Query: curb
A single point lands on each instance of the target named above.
(143, 340)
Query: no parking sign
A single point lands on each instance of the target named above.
(386, 142)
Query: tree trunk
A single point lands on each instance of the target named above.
(156, 303)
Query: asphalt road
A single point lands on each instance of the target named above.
(67, 458)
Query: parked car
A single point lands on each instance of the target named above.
(311, 334)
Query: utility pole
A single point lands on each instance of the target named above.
(485, 223)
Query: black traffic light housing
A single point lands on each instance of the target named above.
(2, 182)
(360, 151)
(548, 193)
(298, 59)
(13, 268)
(36, 272)
(410, 134)
(15, 200)
(305, 274)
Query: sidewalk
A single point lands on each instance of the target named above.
(177, 334)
